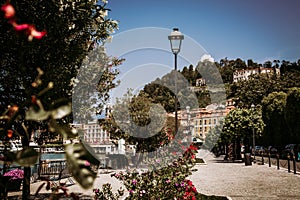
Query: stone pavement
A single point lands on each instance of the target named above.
(102, 178)
(220, 178)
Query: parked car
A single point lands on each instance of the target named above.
(258, 150)
(290, 150)
(274, 150)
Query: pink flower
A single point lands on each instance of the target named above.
(131, 191)
(168, 181)
(87, 163)
(134, 181)
(9, 10)
(15, 174)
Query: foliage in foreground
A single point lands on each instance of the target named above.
(167, 182)
(36, 76)
(164, 182)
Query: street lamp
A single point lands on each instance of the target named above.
(189, 134)
(175, 40)
(253, 133)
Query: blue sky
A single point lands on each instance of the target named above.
(258, 29)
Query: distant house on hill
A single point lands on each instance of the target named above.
(243, 74)
(199, 121)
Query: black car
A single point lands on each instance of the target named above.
(291, 150)
(274, 150)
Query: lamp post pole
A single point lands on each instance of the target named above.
(253, 144)
(253, 134)
(175, 40)
(176, 99)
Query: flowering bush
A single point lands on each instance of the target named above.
(106, 193)
(167, 182)
(16, 174)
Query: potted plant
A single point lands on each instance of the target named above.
(14, 179)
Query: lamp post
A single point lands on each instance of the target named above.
(189, 134)
(175, 40)
(253, 133)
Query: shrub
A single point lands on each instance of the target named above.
(167, 182)
(15, 174)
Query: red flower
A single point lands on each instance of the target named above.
(33, 33)
(33, 99)
(9, 10)
(12, 110)
(192, 147)
(20, 27)
(9, 133)
(30, 30)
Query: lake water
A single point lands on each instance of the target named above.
(52, 156)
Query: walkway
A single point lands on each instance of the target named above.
(239, 182)
(221, 178)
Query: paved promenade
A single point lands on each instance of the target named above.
(239, 182)
(221, 178)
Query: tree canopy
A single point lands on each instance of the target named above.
(37, 71)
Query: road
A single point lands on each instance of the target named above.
(219, 177)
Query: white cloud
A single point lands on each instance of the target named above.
(207, 57)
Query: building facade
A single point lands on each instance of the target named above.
(243, 74)
(199, 121)
(98, 138)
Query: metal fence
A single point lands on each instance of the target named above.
(290, 164)
(53, 169)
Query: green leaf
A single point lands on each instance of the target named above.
(61, 111)
(80, 163)
(37, 114)
(27, 157)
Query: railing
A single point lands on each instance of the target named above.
(290, 164)
(50, 169)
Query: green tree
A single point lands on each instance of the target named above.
(291, 114)
(72, 30)
(253, 90)
(273, 107)
(140, 122)
(240, 124)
